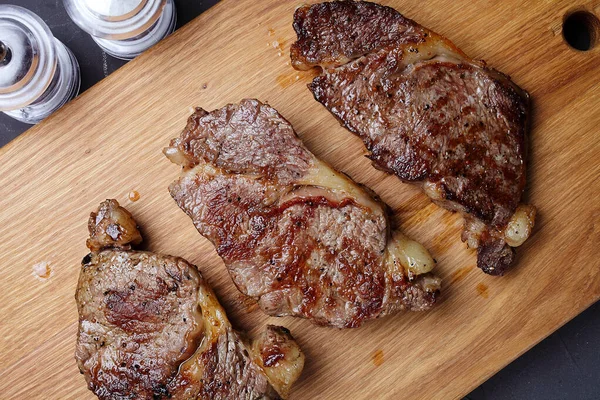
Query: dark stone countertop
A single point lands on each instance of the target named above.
(566, 365)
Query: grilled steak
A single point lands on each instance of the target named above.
(296, 235)
(427, 113)
(151, 328)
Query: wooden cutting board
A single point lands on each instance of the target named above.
(108, 142)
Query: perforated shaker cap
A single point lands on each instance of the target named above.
(114, 19)
(27, 57)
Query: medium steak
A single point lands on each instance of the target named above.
(296, 235)
(151, 328)
(427, 113)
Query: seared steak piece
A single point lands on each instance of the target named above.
(296, 235)
(151, 328)
(427, 113)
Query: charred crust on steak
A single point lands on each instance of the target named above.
(494, 257)
(86, 259)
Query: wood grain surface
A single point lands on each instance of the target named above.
(108, 142)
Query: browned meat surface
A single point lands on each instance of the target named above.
(151, 328)
(112, 226)
(427, 113)
(296, 235)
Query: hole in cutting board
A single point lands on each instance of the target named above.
(581, 30)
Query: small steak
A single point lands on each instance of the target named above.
(427, 113)
(151, 328)
(296, 235)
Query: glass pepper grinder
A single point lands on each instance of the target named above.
(38, 74)
(124, 28)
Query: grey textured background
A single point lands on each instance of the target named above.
(566, 365)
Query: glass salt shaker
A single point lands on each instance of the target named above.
(124, 28)
(38, 74)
